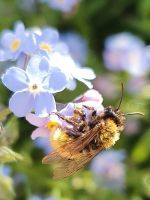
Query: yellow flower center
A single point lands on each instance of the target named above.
(46, 47)
(15, 44)
(51, 125)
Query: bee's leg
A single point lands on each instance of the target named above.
(77, 126)
(72, 132)
(80, 113)
(69, 121)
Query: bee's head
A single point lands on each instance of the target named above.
(116, 115)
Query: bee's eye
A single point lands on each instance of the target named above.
(109, 112)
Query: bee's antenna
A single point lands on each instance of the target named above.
(122, 91)
(135, 113)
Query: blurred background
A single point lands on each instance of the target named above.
(112, 38)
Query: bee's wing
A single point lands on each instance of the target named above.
(78, 144)
(64, 167)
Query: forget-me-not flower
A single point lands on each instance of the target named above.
(77, 46)
(125, 51)
(13, 43)
(73, 70)
(62, 5)
(47, 41)
(34, 87)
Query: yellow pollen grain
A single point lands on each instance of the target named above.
(110, 127)
(109, 133)
(15, 44)
(59, 135)
(46, 47)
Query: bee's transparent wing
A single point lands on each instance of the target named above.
(64, 167)
(78, 144)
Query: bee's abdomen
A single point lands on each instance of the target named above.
(109, 133)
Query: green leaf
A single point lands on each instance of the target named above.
(141, 150)
(8, 155)
(4, 113)
(142, 177)
(9, 133)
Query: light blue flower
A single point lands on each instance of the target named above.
(62, 5)
(5, 170)
(77, 46)
(72, 70)
(34, 87)
(125, 51)
(36, 197)
(47, 41)
(109, 169)
(13, 43)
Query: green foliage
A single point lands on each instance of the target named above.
(7, 155)
(6, 188)
(141, 150)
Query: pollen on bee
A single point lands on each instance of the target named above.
(109, 133)
(60, 135)
(59, 138)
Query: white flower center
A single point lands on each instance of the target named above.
(35, 88)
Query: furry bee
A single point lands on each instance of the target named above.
(74, 147)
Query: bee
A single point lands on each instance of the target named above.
(76, 145)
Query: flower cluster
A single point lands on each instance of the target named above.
(43, 68)
(125, 51)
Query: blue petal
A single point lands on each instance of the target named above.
(38, 67)
(44, 104)
(44, 66)
(19, 28)
(50, 35)
(21, 103)
(6, 39)
(15, 79)
(56, 81)
(3, 55)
